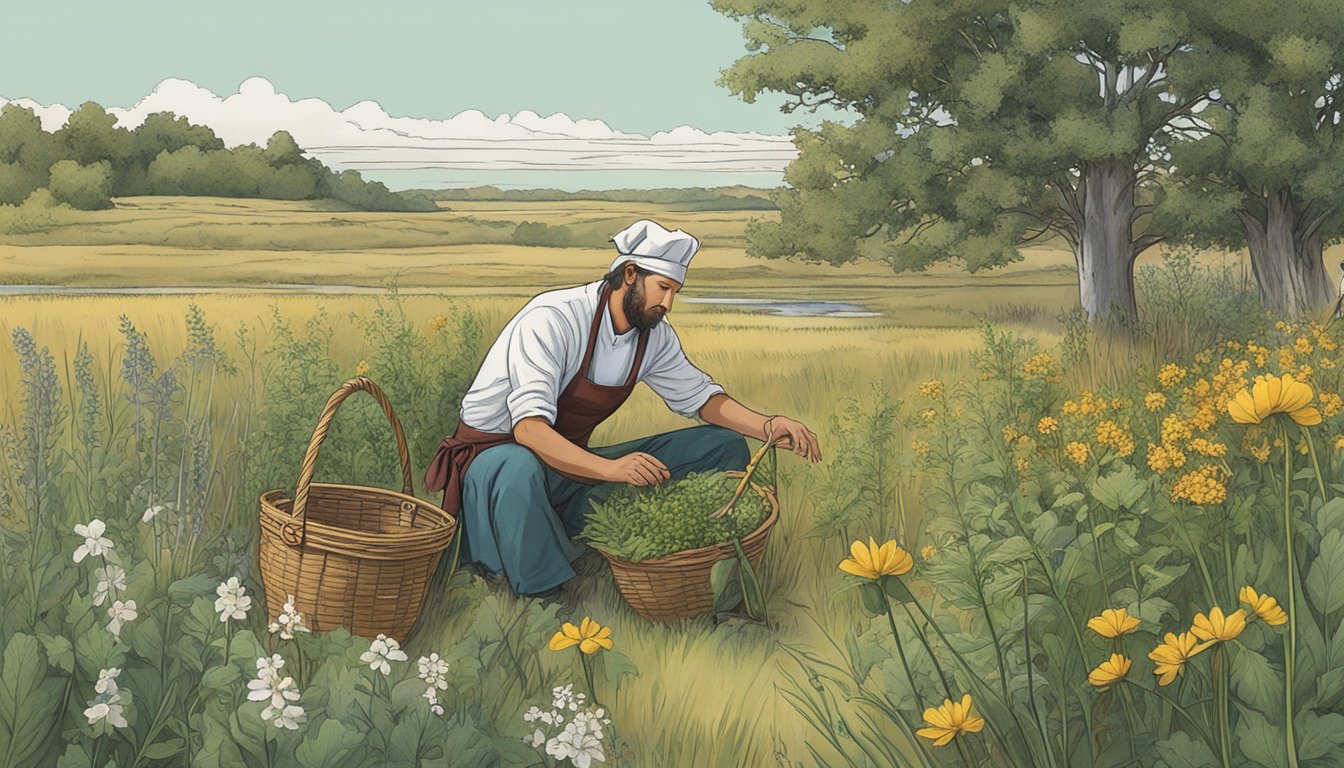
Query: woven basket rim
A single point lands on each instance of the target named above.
(354, 542)
(700, 555)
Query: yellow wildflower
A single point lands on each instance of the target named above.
(1113, 623)
(1207, 447)
(919, 447)
(1047, 425)
(928, 552)
(1111, 434)
(1339, 442)
(928, 414)
(1155, 401)
(1302, 346)
(1218, 628)
(1174, 429)
(1264, 606)
(1331, 404)
(931, 388)
(1170, 375)
(1161, 458)
(1109, 672)
(1261, 452)
(1041, 366)
(1170, 657)
(1070, 408)
(872, 561)
(362, 368)
(1271, 395)
(1010, 433)
(1021, 463)
(589, 636)
(1076, 451)
(1201, 486)
(437, 323)
(949, 721)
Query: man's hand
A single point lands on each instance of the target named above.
(637, 469)
(800, 439)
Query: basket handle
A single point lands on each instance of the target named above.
(292, 531)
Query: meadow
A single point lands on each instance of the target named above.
(295, 300)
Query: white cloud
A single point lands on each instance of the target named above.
(364, 137)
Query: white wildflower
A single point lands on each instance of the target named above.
(110, 581)
(578, 744)
(562, 696)
(275, 690)
(269, 667)
(433, 670)
(382, 650)
(288, 622)
(107, 705)
(432, 696)
(107, 680)
(152, 513)
(95, 543)
(120, 613)
(535, 739)
(233, 602)
(532, 715)
(290, 717)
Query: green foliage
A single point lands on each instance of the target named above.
(538, 233)
(694, 199)
(85, 188)
(39, 212)
(643, 523)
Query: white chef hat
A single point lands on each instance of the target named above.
(652, 247)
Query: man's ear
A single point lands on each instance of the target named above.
(628, 278)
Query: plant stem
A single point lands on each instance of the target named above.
(900, 649)
(1031, 680)
(1290, 647)
(588, 676)
(1176, 708)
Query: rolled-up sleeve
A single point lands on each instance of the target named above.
(537, 349)
(674, 378)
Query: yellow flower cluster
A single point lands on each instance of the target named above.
(928, 414)
(1047, 425)
(932, 388)
(437, 324)
(1155, 401)
(362, 368)
(1170, 375)
(1331, 404)
(1163, 457)
(1114, 436)
(1042, 366)
(1203, 486)
(1088, 405)
(919, 447)
(1077, 452)
(1208, 448)
(1175, 429)
(1010, 433)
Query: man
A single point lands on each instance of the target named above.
(519, 468)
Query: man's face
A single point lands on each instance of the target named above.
(648, 299)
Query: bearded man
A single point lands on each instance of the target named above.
(519, 471)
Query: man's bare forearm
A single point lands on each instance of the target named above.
(722, 410)
(537, 435)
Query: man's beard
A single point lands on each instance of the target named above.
(635, 312)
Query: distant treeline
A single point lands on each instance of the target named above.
(693, 198)
(89, 160)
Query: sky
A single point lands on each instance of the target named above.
(638, 66)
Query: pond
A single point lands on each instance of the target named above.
(787, 308)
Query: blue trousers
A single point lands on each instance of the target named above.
(519, 515)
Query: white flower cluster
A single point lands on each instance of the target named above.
(233, 602)
(432, 671)
(578, 741)
(106, 705)
(288, 622)
(111, 577)
(278, 692)
(382, 650)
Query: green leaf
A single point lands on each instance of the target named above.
(1325, 581)
(896, 589)
(60, 653)
(329, 745)
(27, 705)
(145, 636)
(753, 595)
(1260, 741)
(1256, 682)
(164, 749)
(724, 583)
(1119, 490)
(1181, 751)
(1319, 735)
(220, 678)
(612, 666)
(874, 601)
(75, 756)
(184, 592)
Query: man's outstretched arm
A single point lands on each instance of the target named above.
(537, 435)
(724, 411)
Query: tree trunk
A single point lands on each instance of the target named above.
(1286, 256)
(1105, 248)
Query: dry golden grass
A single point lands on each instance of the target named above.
(707, 695)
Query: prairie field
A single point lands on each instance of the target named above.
(706, 693)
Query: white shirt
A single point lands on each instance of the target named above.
(539, 351)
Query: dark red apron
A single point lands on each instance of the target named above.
(581, 407)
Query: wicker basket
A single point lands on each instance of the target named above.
(353, 557)
(676, 586)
